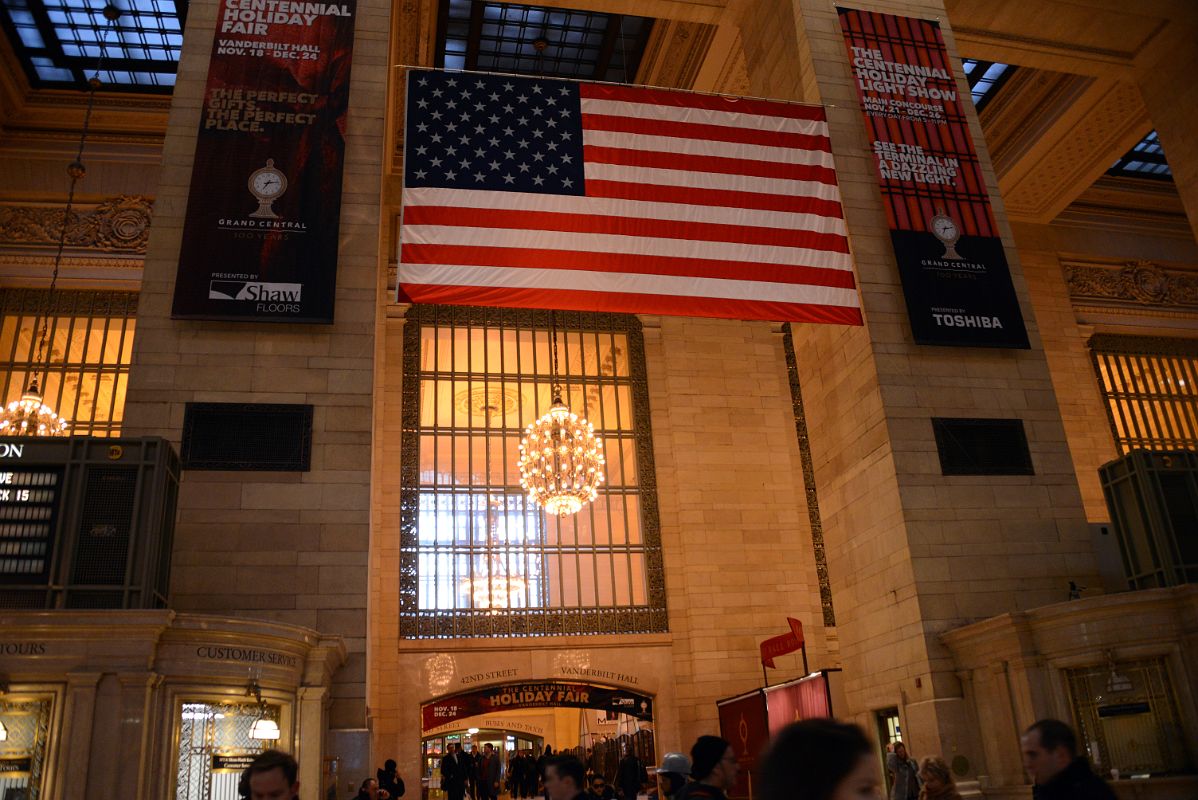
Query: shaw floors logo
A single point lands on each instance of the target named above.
(276, 297)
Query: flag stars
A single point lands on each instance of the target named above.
(487, 135)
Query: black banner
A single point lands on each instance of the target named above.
(260, 235)
(954, 271)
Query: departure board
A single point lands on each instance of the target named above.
(28, 510)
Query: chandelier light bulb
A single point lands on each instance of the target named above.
(29, 416)
(562, 478)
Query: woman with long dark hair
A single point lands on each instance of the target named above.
(819, 759)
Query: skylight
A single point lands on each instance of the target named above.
(59, 42)
(555, 42)
(985, 78)
(1145, 160)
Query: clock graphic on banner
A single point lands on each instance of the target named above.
(266, 184)
(946, 229)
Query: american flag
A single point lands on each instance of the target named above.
(542, 193)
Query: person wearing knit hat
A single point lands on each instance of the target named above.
(713, 767)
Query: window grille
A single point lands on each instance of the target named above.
(211, 737)
(477, 558)
(28, 726)
(91, 343)
(1150, 388)
(1126, 715)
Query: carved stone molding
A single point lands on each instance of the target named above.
(1139, 282)
(118, 225)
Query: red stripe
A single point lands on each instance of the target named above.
(699, 163)
(712, 102)
(624, 263)
(726, 198)
(701, 130)
(621, 226)
(567, 300)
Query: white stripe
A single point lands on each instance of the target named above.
(707, 147)
(632, 245)
(615, 207)
(624, 283)
(711, 180)
(704, 116)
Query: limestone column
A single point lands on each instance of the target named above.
(911, 552)
(1165, 75)
(137, 692)
(311, 711)
(79, 708)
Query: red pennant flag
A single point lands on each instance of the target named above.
(781, 645)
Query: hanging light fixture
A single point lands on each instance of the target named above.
(561, 458)
(264, 728)
(30, 416)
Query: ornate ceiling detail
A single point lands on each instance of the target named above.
(1078, 148)
(675, 53)
(117, 225)
(1140, 282)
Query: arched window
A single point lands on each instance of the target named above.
(477, 558)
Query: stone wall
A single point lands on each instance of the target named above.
(288, 547)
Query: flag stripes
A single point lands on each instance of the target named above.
(687, 204)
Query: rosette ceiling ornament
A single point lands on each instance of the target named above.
(31, 416)
(561, 459)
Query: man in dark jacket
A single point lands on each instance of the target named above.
(714, 769)
(565, 778)
(453, 772)
(389, 780)
(1050, 758)
(489, 772)
(630, 775)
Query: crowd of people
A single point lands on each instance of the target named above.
(819, 759)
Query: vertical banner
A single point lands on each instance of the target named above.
(954, 271)
(745, 724)
(260, 234)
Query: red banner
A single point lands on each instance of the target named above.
(798, 700)
(953, 267)
(261, 232)
(782, 645)
(743, 722)
(545, 694)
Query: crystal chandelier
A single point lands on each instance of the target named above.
(495, 591)
(561, 458)
(30, 416)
